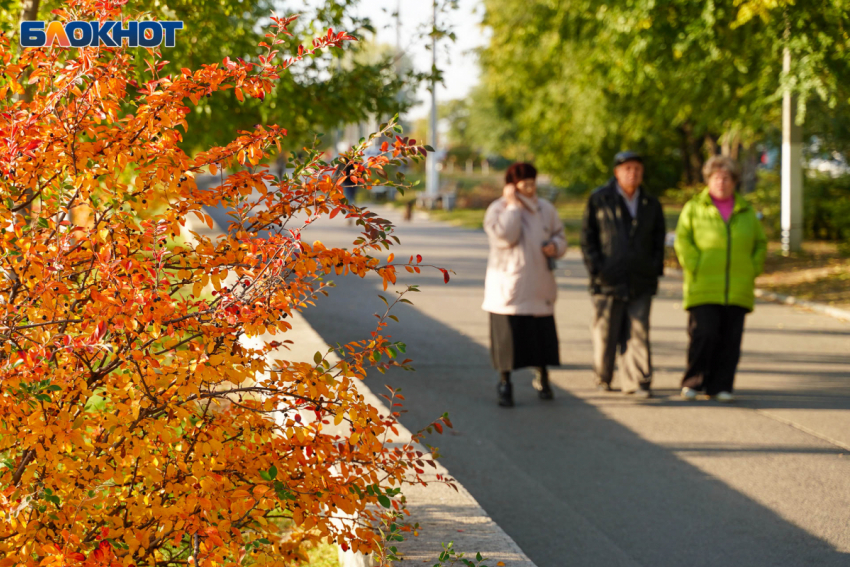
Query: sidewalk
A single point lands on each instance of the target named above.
(599, 480)
(443, 513)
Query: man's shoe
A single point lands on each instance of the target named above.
(725, 397)
(689, 394)
(604, 387)
(506, 394)
(544, 390)
(641, 394)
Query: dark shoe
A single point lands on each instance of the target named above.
(544, 390)
(604, 387)
(506, 394)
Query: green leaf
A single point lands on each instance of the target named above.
(384, 501)
(317, 358)
(272, 472)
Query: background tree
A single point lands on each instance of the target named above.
(581, 79)
(318, 96)
(139, 428)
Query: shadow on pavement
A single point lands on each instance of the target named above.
(571, 486)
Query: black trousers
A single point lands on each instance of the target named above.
(716, 332)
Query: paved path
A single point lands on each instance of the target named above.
(595, 479)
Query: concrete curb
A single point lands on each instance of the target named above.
(443, 514)
(811, 305)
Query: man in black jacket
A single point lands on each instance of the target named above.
(622, 241)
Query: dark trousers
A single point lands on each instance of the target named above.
(622, 328)
(716, 332)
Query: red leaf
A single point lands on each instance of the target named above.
(445, 275)
(103, 551)
(419, 258)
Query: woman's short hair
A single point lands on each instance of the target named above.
(721, 163)
(519, 171)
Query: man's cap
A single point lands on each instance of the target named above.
(625, 156)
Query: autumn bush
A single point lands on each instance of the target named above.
(137, 425)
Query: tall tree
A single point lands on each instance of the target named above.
(581, 79)
(317, 97)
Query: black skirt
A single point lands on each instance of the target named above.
(520, 341)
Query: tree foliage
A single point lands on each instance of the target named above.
(582, 79)
(138, 426)
(317, 96)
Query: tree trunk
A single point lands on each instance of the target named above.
(686, 152)
(749, 169)
(29, 10)
(691, 154)
(711, 143)
(731, 144)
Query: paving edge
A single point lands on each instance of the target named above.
(312, 339)
(842, 314)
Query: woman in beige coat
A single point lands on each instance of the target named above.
(526, 236)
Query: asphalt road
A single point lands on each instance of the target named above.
(597, 479)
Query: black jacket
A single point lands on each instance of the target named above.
(624, 256)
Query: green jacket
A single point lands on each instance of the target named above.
(721, 260)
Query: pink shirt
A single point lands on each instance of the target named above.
(725, 207)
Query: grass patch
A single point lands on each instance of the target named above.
(821, 273)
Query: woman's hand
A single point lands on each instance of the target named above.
(509, 194)
(550, 250)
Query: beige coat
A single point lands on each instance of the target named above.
(518, 280)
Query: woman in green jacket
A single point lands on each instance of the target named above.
(721, 246)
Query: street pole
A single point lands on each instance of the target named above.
(433, 179)
(792, 169)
